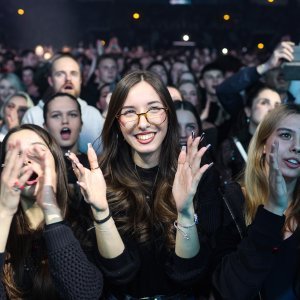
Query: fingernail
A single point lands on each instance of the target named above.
(67, 154)
(208, 146)
(193, 135)
(77, 182)
(89, 145)
(211, 164)
(183, 148)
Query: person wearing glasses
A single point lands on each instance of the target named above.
(141, 192)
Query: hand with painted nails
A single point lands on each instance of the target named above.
(278, 198)
(13, 178)
(189, 174)
(91, 181)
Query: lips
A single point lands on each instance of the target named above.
(145, 138)
(68, 86)
(65, 133)
(292, 163)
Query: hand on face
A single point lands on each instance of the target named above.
(278, 198)
(189, 174)
(13, 178)
(91, 181)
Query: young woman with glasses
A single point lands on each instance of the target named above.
(141, 192)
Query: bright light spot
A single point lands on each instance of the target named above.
(270, 1)
(39, 50)
(260, 46)
(47, 55)
(226, 17)
(136, 16)
(225, 51)
(244, 49)
(103, 42)
(186, 38)
(21, 11)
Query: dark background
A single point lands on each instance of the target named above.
(68, 22)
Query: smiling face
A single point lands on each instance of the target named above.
(28, 141)
(6, 89)
(144, 138)
(65, 76)
(287, 134)
(63, 121)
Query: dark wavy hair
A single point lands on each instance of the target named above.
(21, 235)
(126, 197)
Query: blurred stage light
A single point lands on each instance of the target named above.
(270, 1)
(186, 37)
(47, 55)
(21, 11)
(136, 16)
(39, 50)
(225, 51)
(260, 46)
(226, 17)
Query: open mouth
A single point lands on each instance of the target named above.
(68, 86)
(65, 133)
(293, 163)
(32, 179)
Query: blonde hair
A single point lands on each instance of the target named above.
(256, 176)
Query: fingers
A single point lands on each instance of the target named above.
(92, 157)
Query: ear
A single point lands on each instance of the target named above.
(50, 81)
(247, 111)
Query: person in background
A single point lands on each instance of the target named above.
(258, 249)
(13, 111)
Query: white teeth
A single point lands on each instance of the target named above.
(145, 136)
(293, 161)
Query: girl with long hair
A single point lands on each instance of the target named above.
(141, 192)
(260, 239)
(39, 254)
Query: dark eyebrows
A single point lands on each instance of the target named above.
(149, 103)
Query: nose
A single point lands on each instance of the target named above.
(143, 122)
(182, 132)
(296, 146)
(65, 119)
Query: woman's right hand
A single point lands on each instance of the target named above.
(13, 178)
(278, 197)
(91, 181)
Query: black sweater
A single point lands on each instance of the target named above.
(250, 260)
(151, 269)
(73, 275)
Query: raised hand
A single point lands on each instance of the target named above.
(13, 178)
(91, 181)
(188, 175)
(284, 51)
(278, 198)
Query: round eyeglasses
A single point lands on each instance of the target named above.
(154, 116)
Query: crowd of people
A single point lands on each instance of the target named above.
(134, 174)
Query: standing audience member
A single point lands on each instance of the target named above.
(39, 254)
(65, 77)
(142, 203)
(263, 260)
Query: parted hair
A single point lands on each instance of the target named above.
(256, 173)
(21, 236)
(133, 215)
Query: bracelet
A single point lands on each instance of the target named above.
(103, 220)
(189, 225)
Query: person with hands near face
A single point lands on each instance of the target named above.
(39, 254)
(258, 248)
(141, 191)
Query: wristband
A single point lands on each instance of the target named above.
(103, 220)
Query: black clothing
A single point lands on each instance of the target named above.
(149, 269)
(247, 258)
(73, 275)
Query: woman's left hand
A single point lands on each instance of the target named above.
(188, 175)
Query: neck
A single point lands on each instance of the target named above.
(146, 161)
(33, 213)
(252, 127)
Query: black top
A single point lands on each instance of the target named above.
(256, 259)
(151, 269)
(73, 275)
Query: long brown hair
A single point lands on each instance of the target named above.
(256, 175)
(21, 236)
(126, 198)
